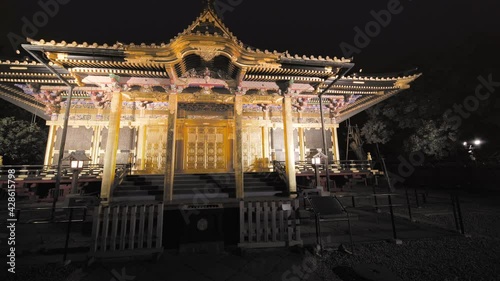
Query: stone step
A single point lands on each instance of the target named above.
(159, 197)
(199, 187)
(189, 185)
(135, 198)
(119, 193)
(261, 193)
(196, 182)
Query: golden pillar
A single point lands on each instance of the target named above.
(108, 175)
(49, 150)
(238, 146)
(265, 147)
(265, 142)
(335, 141)
(168, 187)
(302, 147)
(289, 147)
(141, 147)
(96, 141)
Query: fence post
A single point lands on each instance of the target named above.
(462, 230)
(392, 219)
(408, 203)
(416, 198)
(67, 234)
(454, 211)
(425, 194)
(375, 199)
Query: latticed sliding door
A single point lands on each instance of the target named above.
(156, 141)
(252, 149)
(205, 149)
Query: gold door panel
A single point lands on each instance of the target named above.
(156, 141)
(206, 149)
(252, 149)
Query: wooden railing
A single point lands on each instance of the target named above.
(43, 172)
(128, 229)
(279, 167)
(336, 167)
(121, 172)
(64, 215)
(273, 223)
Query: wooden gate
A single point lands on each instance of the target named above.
(269, 223)
(127, 229)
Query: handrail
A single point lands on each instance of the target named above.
(279, 168)
(357, 166)
(67, 221)
(36, 171)
(121, 173)
(50, 220)
(42, 168)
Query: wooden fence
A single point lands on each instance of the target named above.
(128, 229)
(273, 223)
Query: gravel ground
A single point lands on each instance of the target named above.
(446, 258)
(49, 272)
(450, 258)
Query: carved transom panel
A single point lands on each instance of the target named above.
(205, 107)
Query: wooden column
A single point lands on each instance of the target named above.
(289, 147)
(265, 141)
(96, 145)
(238, 146)
(265, 146)
(108, 175)
(49, 150)
(168, 188)
(141, 147)
(335, 141)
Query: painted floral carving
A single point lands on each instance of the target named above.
(100, 99)
(52, 101)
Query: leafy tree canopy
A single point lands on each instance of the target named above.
(21, 142)
(418, 119)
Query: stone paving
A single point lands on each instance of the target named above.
(271, 264)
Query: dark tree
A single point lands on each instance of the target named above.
(418, 119)
(21, 142)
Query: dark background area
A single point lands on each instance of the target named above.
(452, 43)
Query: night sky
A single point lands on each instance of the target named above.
(310, 27)
(462, 36)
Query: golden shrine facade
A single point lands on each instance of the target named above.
(203, 103)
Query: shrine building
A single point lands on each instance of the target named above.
(203, 103)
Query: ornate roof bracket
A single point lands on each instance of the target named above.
(51, 99)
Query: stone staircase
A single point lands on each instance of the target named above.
(197, 186)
